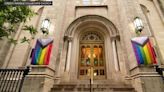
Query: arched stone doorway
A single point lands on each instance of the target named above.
(104, 34)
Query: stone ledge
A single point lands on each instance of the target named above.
(41, 70)
(42, 66)
(142, 74)
(142, 66)
(90, 6)
(40, 75)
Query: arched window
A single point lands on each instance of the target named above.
(91, 37)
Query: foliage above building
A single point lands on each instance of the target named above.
(11, 17)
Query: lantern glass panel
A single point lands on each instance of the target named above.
(138, 24)
(45, 24)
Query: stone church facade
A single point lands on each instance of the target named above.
(91, 43)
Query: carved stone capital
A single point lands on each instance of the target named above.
(70, 39)
(67, 38)
(115, 37)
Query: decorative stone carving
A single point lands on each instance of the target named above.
(67, 38)
(91, 36)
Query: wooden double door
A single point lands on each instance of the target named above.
(91, 61)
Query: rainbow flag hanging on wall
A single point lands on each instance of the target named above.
(144, 51)
(42, 52)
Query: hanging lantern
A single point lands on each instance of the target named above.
(45, 26)
(138, 24)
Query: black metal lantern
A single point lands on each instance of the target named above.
(138, 24)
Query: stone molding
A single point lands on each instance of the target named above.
(67, 38)
(115, 37)
(89, 18)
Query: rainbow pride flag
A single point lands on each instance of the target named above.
(42, 52)
(144, 51)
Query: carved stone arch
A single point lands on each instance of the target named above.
(101, 21)
(89, 24)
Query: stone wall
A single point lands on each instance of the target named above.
(63, 16)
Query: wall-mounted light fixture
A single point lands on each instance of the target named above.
(138, 24)
(45, 26)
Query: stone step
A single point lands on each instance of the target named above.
(93, 85)
(85, 86)
(95, 88)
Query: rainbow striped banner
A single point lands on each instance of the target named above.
(42, 52)
(144, 51)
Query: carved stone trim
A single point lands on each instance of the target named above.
(115, 37)
(67, 38)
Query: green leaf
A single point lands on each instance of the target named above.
(24, 39)
(14, 15)
(30, 29)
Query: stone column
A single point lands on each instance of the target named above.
(69, 54)
(116, 64)
(66, 75)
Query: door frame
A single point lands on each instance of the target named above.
(92, 67)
